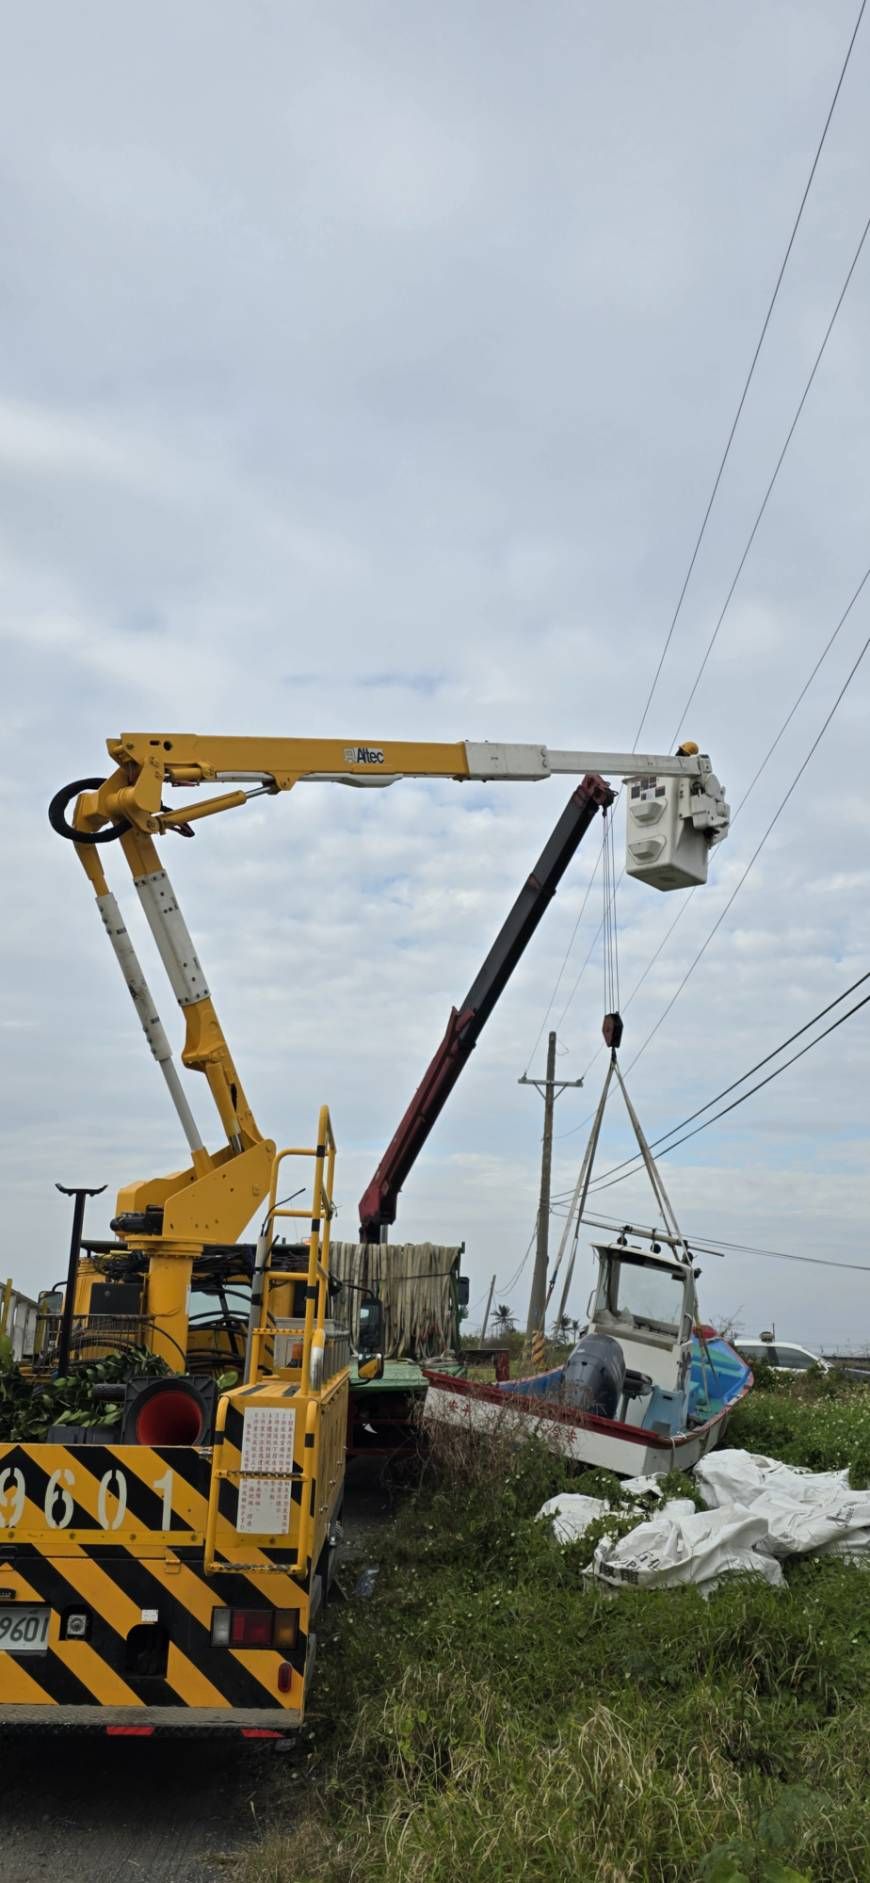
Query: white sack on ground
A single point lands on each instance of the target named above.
(758, 1511)
(805, 1511)
(683, 1545)
(572, 1514)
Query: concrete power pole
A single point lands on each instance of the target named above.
(488, 1306)
(551, 1087)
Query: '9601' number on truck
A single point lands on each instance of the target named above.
(58, 1504)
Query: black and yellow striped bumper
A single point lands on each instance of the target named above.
(119, 1532)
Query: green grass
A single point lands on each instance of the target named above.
(818, 1419)
(487, 1716)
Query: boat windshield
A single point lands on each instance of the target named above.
(653, 1295)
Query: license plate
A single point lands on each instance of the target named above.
(24, 1628)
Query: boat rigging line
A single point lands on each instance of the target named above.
(717, 1245)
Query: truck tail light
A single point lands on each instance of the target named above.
(251, 1627)
(255, 1628)
(286, 1628)
(242, 1627)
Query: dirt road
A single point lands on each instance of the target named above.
(97, 1810)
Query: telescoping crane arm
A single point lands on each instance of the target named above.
(466, 1023)
(216, 1196)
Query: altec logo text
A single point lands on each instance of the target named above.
(363, 755)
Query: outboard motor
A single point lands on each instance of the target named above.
(595, 1375)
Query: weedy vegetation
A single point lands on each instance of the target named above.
(488, 1715)
(27, 1410)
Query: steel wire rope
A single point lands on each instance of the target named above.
(552, 1000)
(635, 1162)
(750, 375)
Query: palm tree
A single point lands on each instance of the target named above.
(504, 1318)
(561, 1329)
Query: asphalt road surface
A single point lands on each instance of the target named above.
(96, 1810)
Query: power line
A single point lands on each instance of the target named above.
(747, 793)
(708, 651)
(504, 1288)
(607, 1181)
(799, 1031)
(701, 533)
(776, 470)
(762, 841)
(749, 377)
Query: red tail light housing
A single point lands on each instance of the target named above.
(254, 1628)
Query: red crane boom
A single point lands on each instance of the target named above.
(378, 1204)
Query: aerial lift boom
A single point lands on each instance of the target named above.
(675, 803)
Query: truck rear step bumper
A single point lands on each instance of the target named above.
(149, 1721)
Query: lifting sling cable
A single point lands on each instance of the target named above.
(612, 1030)
(581, 1188)
(652, 1169)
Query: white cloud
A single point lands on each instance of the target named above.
(367, 373)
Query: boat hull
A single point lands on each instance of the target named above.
(605, 1444)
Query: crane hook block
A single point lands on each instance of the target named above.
(612, 1030)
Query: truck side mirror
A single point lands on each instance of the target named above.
(370, 1337)
(372, 1368)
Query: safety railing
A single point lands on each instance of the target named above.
(316, 1279)
(317, 1275)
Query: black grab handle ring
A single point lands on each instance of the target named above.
(58, 820)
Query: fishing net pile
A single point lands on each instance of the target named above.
(413, 1281)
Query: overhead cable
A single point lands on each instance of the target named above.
(762, 840)
(776, 470)
(607, 1180)
(710, 502)
(749, 377)
(727, 1089)
(573, 1129)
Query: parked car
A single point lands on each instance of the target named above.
(785, 1356)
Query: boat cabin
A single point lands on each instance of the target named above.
(645, 1300)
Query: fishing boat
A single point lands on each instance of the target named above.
(647, 1389)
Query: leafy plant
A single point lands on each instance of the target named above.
(29, 1407)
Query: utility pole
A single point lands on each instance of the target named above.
(551, 1088)
(486, 1315)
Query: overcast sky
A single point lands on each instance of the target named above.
(364, 371)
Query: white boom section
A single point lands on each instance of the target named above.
(487, 760)
(152, 1026)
